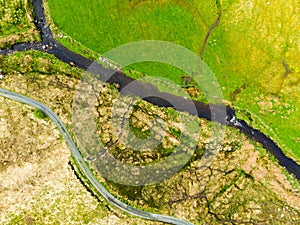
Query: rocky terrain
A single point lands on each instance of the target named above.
(243, 185)
(40, 184)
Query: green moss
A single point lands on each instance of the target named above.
(13, 17)
(34, 63)
(175, 132)
(139, 133)
(39, 114)
(15, 24)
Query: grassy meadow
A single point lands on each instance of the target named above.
(253, 52)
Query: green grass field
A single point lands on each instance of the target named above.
(254, 52)
(113, 23)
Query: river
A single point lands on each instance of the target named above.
(51, 46)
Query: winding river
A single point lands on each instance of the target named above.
(51, 46)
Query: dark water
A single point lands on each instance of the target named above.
(218, 113)
(271, 146)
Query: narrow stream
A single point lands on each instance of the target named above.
(51, 46)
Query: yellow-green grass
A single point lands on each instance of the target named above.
(257, 42)
(250, 51)
(16, 22)
(13, 17)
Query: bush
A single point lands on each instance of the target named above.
(39, 114)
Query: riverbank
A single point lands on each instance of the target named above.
(51, 46)
(241, 172)
(263, 86)
(239, 175)
(202, 109)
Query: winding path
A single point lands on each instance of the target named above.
(83, 166)
(51, 46)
